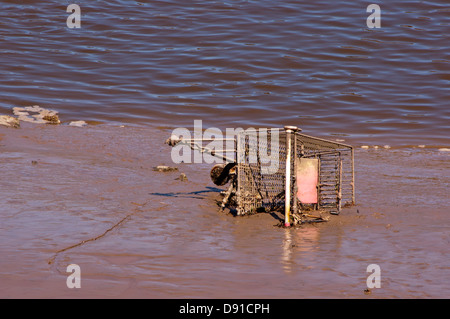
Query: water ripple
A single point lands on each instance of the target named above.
(228, 62)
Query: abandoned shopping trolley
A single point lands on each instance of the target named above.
(280, 169)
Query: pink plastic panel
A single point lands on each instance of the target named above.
(307, 180)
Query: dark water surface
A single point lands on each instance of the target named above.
(315, 64)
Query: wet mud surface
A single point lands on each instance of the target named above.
(90, 196)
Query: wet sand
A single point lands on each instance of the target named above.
(89, 196)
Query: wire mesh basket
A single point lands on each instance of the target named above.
(282, 169)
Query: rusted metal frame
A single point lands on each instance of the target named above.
(324, 141)
(238, 177)
(318, 182)
(243, 168)
(195, 146)
(353, 177)
(313, 146)
(287, 198)
(294, 204)
(339, 184)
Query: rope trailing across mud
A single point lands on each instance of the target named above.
(52, 260)
(120, 222)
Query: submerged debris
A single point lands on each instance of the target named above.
(9, 121)
(36, 114)
(172, 140)
(182, 177)
(305, 217)
(78, 123)
(52, 119)
(162, 168)
(314, 172)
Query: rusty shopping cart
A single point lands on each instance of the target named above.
(281, 169)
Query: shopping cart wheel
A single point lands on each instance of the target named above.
(221, 173)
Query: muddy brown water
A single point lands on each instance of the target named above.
(64, 186)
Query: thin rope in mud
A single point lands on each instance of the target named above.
(51, 260)
(136, 210)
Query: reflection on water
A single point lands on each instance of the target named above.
(298, 242)
(286, 256)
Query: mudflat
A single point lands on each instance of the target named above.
(90, 196)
